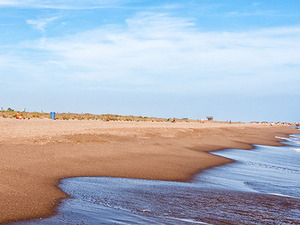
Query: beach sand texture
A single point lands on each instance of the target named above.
(35, 154)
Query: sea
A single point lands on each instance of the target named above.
(262, 186)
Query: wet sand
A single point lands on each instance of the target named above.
(36, 154)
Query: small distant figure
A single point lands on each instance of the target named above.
(229, 121)
(19, 117)
(271, 124)
(173, 121)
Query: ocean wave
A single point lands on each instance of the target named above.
(295, 138)
(291, 191)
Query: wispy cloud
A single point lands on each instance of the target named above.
(40, 24)
(9, 3)
(157, 52)
(63, 4)
(263, 13)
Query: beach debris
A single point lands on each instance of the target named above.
(144, 210)
(167, 213)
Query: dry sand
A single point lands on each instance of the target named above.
(35, 154)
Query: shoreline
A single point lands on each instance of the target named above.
(211, 194)
(171, 152)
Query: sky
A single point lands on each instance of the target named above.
(231, 59)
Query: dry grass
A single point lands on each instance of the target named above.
(113, 117)
(89, 116)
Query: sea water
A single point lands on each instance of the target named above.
(262, 186)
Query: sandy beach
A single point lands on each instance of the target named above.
(37, 153)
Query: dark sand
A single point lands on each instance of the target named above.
(32, 163)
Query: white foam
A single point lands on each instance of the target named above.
(294, 138)
(284, 138)
(295, 149)
(188, 220)
(288, 196)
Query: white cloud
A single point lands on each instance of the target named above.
(9, 3)
(157, 52)
(40, 24)
(62, 4)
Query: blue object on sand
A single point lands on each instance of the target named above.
(52, 114)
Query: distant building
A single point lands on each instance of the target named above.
(210, 118)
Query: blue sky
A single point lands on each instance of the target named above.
(235, 60)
